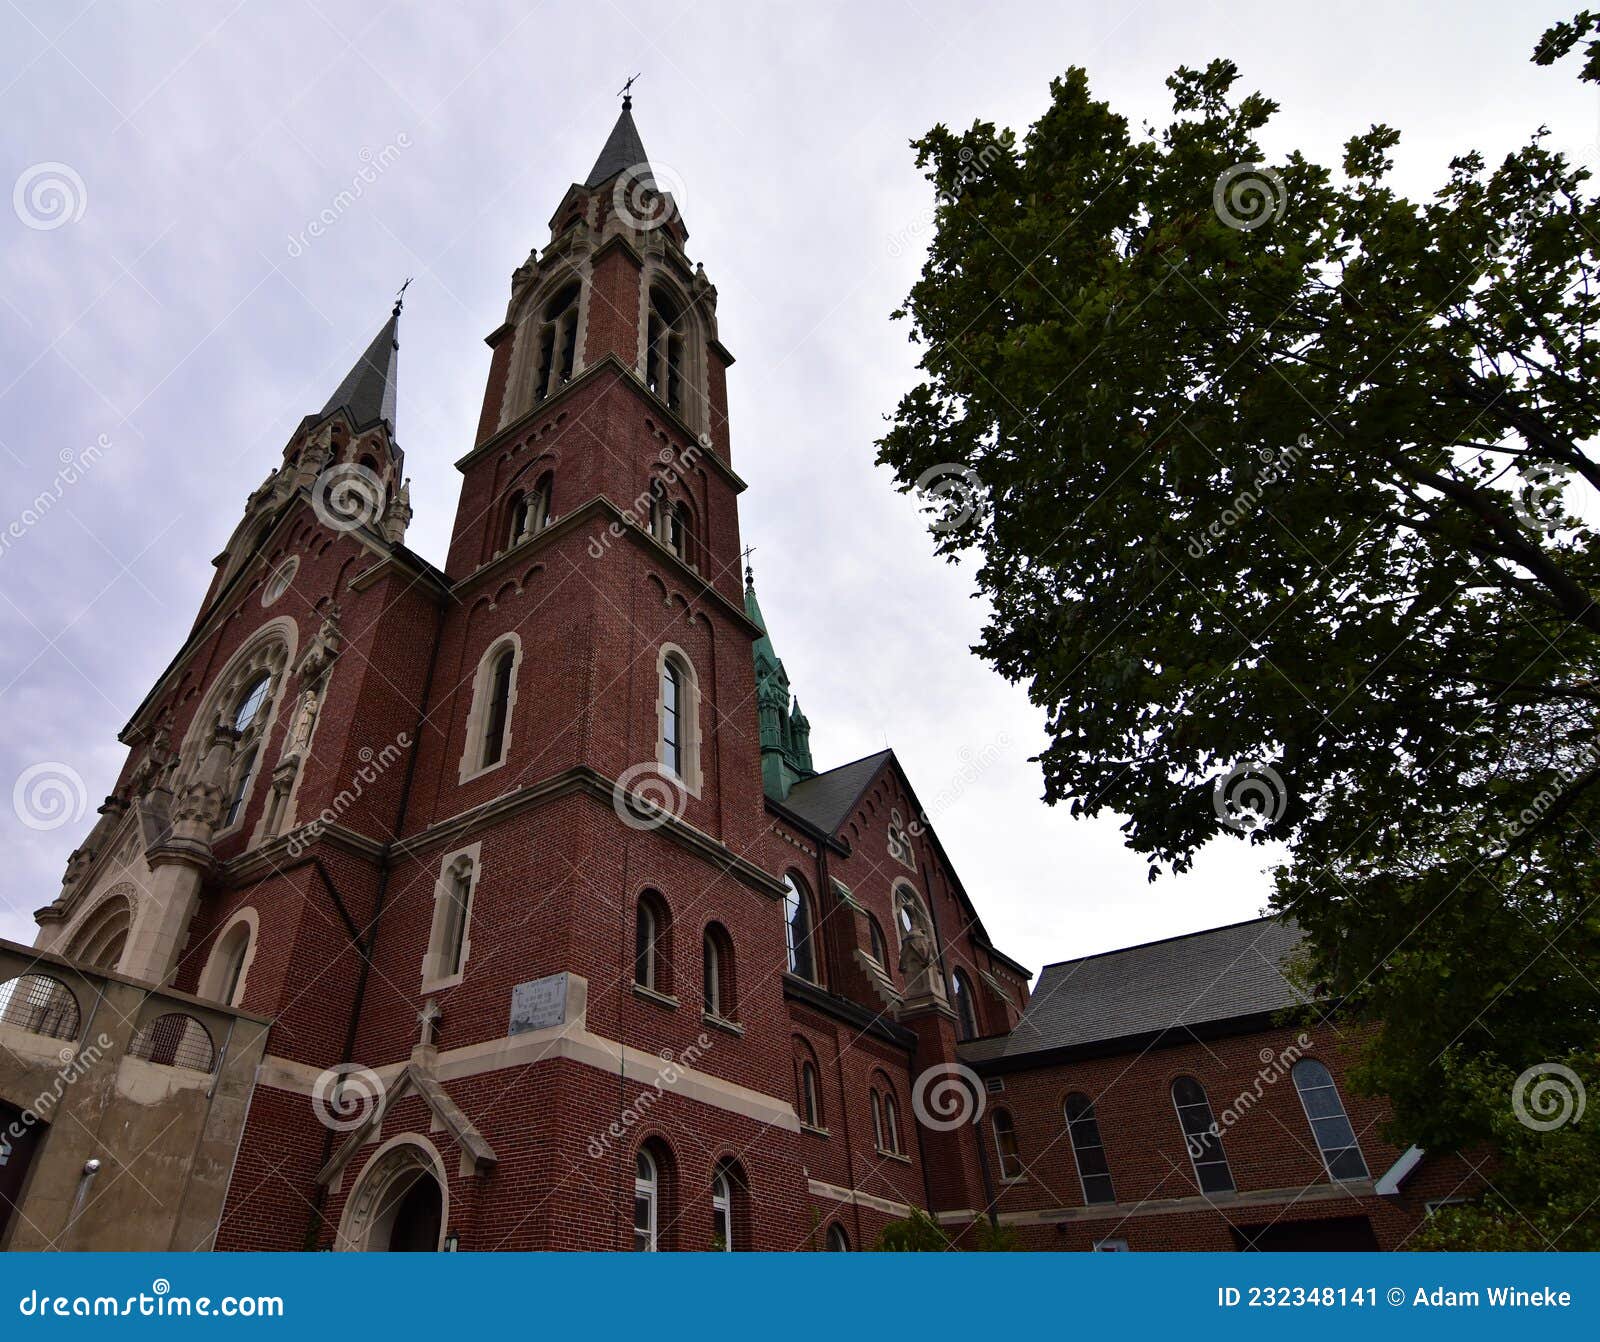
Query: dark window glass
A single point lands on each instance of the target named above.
(1201, 1137)
(494, 730)
(1093, 1169)
(1336, 1139)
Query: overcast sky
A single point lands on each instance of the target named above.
(174, 309)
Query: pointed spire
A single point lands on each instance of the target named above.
(367, 393)
(624, 150)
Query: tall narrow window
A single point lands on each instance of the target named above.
(494, 726)
(961, 991)
(877, 1119)
(810, 1096)
(646, 1199)
(797, 925)
(241, 786)
(1005, 1145)
(1089, 1151)
(1201, 1136)
(646, 929)
(880, 948)
(664, 351)
(891, 1124)
(837, 1241)
(712, 973)
(722, 1212)
(457, 893)
(558, 343)
(671, 717)
(717, 960)
(1336, 1139)
(519, 518)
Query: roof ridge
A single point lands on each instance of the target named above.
(1162, 941)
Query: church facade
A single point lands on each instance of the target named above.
(501, 906)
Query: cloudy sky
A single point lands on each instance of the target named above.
(166, 318)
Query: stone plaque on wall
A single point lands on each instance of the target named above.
(539, 1004)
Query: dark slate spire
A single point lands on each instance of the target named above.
(623, 150)
(368, 390)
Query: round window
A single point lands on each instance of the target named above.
(279, 582)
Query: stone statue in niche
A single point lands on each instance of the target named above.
(919, 955)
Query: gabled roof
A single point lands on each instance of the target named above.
(1178, 984)
(623, 150)
(367, 393)
(827, 799)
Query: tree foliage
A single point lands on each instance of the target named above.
(1275, 469)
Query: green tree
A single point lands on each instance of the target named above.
(1269, 471)
(917, 1233)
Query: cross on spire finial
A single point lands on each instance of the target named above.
(749, 573)
(400, 297)
(627, 94)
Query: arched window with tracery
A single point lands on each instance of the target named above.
(665, 351)
(494, 700)
(799, 929)
(557, 342)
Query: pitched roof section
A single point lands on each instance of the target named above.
(623, 150)
(1180, 983)
(368, 389)
(826, 800)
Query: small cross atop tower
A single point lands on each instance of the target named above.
(627, 94)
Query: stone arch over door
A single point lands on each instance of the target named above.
(400, 1196)
(101, 935)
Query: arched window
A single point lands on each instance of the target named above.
(174, 1040)
(494, 728)
(877, 1119)
(223, 978)
(39, 1004)
(369, 462)
(244, 771)
(961, 993)
(243, 696)
(646, 1202)
(880, 947)
(717, 963)
(664, 348)
(1201, 1136)
(450, 942)
(651, 943)
(558, 343)
(891, 1123)
(530, 512)
(810, 1092)
(722, 1213)
(799, 931)
(1336, 1139)
(836, 1240)
(1005, 1145)
(672, 717)
(1089, 1151)
(885, 1116)
(491, 719)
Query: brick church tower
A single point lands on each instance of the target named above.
(557, 937)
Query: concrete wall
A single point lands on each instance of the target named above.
(165, 1136)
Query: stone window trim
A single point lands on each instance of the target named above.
(691, 747)
(211, 982)
(523, 391)
(408, 1155)
(478, 713)
(436, 974)
(269, 651)
(689, 328)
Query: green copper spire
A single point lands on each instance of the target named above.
(785, 730)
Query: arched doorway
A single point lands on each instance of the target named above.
(20, 1134)
(400, 1201)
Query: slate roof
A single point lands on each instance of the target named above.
(826, 800)
(1182, 982)
(623, 150)
(368, 389)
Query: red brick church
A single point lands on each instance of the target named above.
(502, 906)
